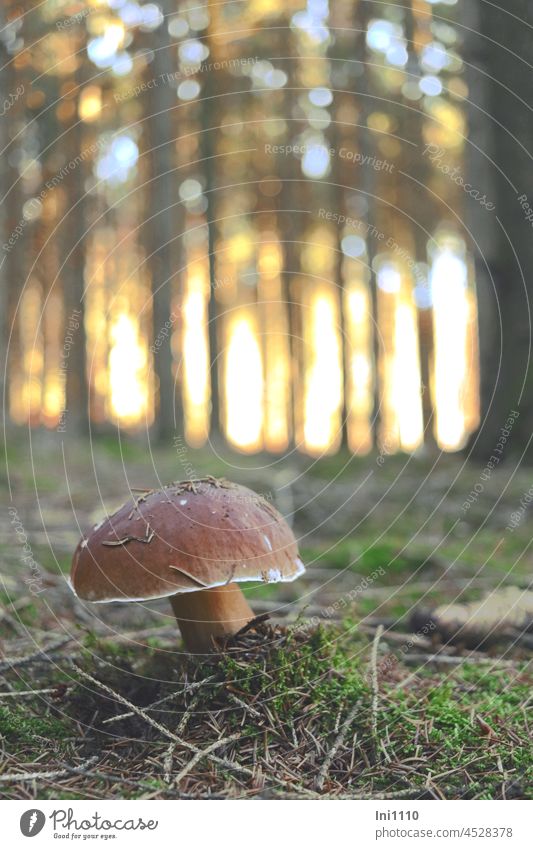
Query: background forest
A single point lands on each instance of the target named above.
(284, 224)
(290, 244)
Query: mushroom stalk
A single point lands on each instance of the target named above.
(216, 612)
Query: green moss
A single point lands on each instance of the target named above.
(319, 665)
(23, 725)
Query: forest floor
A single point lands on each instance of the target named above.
(336, 694)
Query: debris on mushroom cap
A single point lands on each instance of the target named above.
(185, 537)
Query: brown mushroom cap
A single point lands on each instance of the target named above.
(185, 537)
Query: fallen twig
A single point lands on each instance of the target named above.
(234, 765)
(56, 773)
(167, 762)
(375, 682)
(455, 660)
(28, 692)
(224, 762)
(204, 753)
(188, 688)
(40, 655)
(242, 704)
(324, 769)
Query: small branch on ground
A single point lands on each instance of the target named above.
(52, 774)
(339, 740)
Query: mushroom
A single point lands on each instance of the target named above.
(195, 542)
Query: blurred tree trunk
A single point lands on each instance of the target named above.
(15, 261)
(291, 226)
(46, 245)
(73, 236)
(499, 61)
(4, 186)
(338, 187)
(365, 12)
(419, 206)
(164, 219)
(208, 136)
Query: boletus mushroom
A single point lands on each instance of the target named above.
(195, 542)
